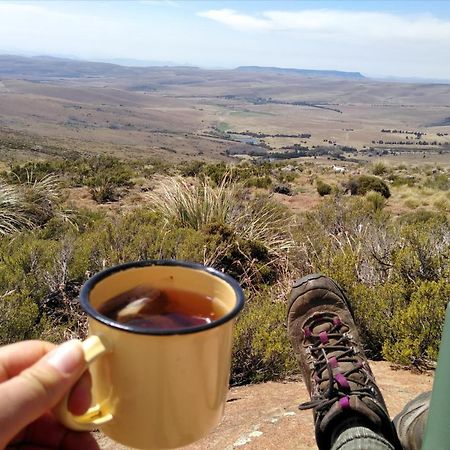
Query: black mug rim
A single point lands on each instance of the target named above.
(92, 312)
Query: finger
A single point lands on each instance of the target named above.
(74, 440)
(44, 432)
(16, 357)
(39, 388)
(47, 433)
(80, 397)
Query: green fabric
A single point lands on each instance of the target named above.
(437, 432)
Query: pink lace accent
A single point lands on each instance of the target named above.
(333, 362)
(342, 381)
(344, 402)
(323, 337)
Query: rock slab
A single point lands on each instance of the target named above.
(265, 416)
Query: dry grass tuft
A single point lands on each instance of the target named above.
(200, 204)
(12, 214)
(194, 205)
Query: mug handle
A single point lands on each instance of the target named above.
(93, 347)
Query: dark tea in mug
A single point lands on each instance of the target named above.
(168, 309)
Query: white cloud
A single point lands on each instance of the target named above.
(159, 2)
(24, 7)
(36, 28)
(11, 10)
(370, 42)
(347, 24)
(235, 20)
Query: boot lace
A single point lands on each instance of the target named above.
(337, 389)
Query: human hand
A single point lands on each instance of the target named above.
(34, 377)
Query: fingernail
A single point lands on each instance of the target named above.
(66, 358)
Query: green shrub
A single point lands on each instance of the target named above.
(20, 318)
(263, 182)
(93, 171)
(421, 216)
(376, 200)
(216, 172)
(323, 188)
(284, 189)
(21, 173)
(379, 168)
(396, 271)
(191, 169)
(104, 190)
(416, 330)
(261, 350)
(386, 265)
(440, 181)
(398, 180)
(365, 183)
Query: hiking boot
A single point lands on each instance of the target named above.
(411, 421)
(332, 361)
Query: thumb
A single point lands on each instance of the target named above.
(39, 388)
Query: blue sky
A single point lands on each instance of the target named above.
(399, 38)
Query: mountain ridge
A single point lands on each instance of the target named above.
(304, 72)
(53, 66)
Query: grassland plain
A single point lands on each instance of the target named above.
(99, 171)
(180, 113)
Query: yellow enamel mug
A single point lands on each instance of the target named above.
(156, 389)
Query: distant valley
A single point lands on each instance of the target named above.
(185, 112)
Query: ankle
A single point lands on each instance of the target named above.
(354, 428)
(350, 421)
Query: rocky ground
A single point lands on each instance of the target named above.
(265, 416)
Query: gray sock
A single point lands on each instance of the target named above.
(360, 438)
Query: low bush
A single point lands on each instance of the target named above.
(263, 182)
(440, 181)
(396, 270)
(365, 183)
(323, 188)
(104, 190)
(416, 329)
(388, 266)
(21, 173)
(398, 180)
(261, 350)
(377, 201)
(20, 318)
(379, 168)
(284, 189)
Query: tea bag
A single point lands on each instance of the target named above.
(141, 302)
